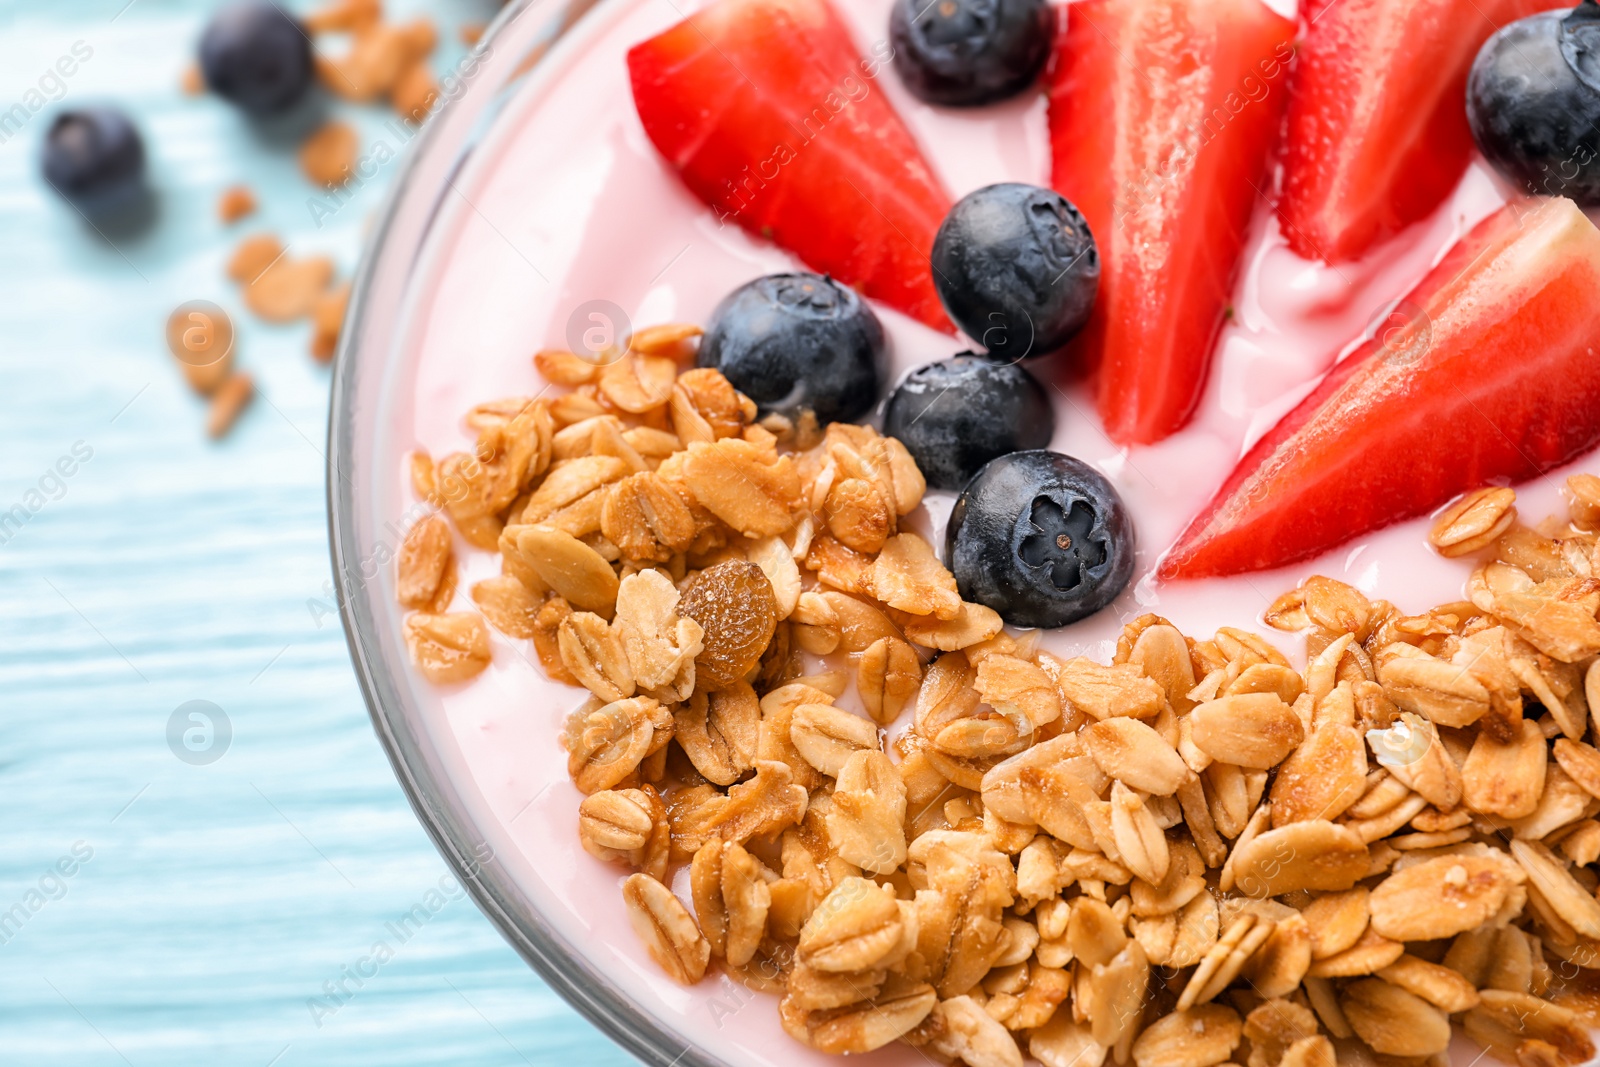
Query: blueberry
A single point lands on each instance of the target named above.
(94, 157)
(1017, 269)
(1041, 538)
(257, 56)
(967, 52)
(1533, 100)
(956, 415)
(799, 345)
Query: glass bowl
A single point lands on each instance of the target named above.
(481, 763)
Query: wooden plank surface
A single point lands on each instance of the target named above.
(209, 909)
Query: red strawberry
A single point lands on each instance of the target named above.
(1162, 113)
(1377, 133)
(772, 117)
(1496, 377)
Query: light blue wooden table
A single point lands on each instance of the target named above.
(155, 911)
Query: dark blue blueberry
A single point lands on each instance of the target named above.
(1017, 269)
(1041, 538)
(967, 52)
(956, 415)
(1533, 100)
(95, 158)
(797, 344)
(257, 56)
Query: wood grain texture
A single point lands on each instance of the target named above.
(217, 903)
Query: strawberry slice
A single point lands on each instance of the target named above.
(1377, 133)
(1162, 113)
(1494, 377)
(771, 116)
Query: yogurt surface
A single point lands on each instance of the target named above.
(565, 203)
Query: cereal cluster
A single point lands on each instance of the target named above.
(384, 61)
(1193, 855)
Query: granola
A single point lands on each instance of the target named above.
(235, 203)
(1193, 855)
(228, 402)
(329, 153)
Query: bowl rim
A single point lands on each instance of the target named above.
(434, 800)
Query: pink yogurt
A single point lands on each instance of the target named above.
(566, 201)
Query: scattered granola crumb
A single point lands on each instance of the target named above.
(323, 346)
(419, 38)
(228, 403)
(235, 203)
(327, 317)
(328, 154)
(344, 16)
(414, 92)
(377, 56)
(471, 33)
(288, 289)
(253, 255)
(200, 337)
